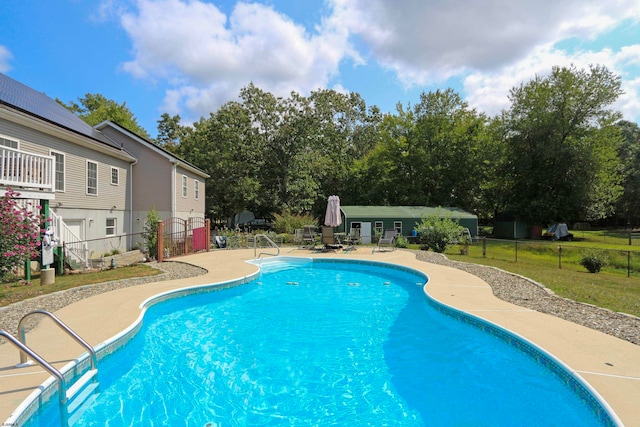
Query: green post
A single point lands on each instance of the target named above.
(44, 203)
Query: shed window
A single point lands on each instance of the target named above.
(378, 227)
(397, 225)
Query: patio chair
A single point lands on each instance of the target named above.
(353, 238)
(388, 239)
(329, 239)
(309, 236)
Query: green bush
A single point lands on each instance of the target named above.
(436, 232)
(287, 222)
(402, 242)
(594, 261)
(150, 233)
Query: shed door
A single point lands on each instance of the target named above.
(365, 233)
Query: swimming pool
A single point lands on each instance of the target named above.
(329, 343)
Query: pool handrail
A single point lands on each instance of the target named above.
(61, 324)
(271, 243)
(62, 386)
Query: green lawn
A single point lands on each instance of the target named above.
(557, 266)
(19, 290)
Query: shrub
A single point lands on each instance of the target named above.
(402, 242)
(150, 233)
(436, 232)
(19, 233)
(287, 222)
(593, 261)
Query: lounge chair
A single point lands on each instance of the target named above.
(329, 239)
(353, 238)
(309, 236)
(388, 239)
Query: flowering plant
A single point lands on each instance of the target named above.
(19, 233)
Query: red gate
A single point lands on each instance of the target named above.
(177, 236)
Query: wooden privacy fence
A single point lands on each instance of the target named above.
(177, 236)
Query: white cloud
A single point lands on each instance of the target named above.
(208, 56)
(489, 91)
(5, 57)
(423, 41)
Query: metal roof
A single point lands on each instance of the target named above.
(398, 212)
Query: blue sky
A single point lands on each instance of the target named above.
(188, 57)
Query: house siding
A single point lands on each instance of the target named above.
(187, 207)
(88, 212)
(75, 168)
(154, 176)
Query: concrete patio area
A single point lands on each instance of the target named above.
(608, 364)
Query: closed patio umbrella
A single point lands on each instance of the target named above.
(332, 218)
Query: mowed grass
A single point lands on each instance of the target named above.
(556, 265)
(19, 290)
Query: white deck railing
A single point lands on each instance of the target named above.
(21, 169)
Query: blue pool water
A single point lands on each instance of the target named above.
(325, 343)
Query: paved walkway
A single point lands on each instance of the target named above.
(610, 365)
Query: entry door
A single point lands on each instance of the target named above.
(365, 233)
(76, 226)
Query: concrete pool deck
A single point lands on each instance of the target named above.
(610, 365)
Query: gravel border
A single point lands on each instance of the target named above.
(506, 286)
(10, 315)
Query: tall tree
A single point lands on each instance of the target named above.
(426, 155)
(223, 145)
(628, 207)
(94, 108)
(170, 132)
(562, 147)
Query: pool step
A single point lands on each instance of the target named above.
(80, 395)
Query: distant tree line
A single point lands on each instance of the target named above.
(558, 153)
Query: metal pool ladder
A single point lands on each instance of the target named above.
(269, 241)
(74, 399)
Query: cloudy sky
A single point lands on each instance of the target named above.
(188, 57)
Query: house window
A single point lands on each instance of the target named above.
(378, 227)
(58, 170)
(115, 176)
(92, 178)
(196, 189)
(111, 227)
(9, 142)
(397, 225)
(184, 186)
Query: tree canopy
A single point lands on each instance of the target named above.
(561, 146)
(94, 108)
(558, 153)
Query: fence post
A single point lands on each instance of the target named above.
(560, 257)
(160, 243)
(484, 246)
(516, 251)
(628, 263)
(207, 224)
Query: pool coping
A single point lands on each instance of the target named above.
(607, 364)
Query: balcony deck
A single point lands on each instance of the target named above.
(27, 172)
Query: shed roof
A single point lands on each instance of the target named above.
(397, 212)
